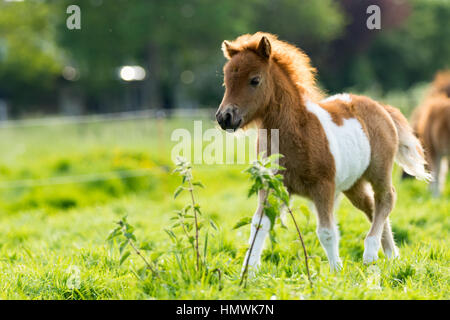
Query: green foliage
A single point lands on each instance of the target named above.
(174, 38)
(263, 175)
(321, 21)
(411, 53)
(30, 59)
(190, 218)
(124, 233)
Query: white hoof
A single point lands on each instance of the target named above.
(392, 254)
(253, 267)
(336, 265)
(371, 247)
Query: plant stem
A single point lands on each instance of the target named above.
(191, 191)
(303, 244)
(138, 252)
(245, 272)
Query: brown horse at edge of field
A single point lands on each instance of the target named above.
(431, 123)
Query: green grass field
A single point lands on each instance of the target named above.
(53, 230)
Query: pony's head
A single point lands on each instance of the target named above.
(257, 65)
(247, 84)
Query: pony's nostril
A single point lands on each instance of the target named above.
(227, 119)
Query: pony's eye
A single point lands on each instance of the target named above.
(255, 81)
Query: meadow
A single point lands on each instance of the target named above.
(63, 187)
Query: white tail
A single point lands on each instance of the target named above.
(410, 155)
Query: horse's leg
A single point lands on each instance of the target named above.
(384, 203)
(323, 197)
(337, 201)
(362, 197)
(387, 241)
(436, 171)
(260, 227)
(443, 174)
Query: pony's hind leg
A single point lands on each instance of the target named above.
(437, 183)
(327, 231)
(443, 173)
(362, 197)
(260, 227)
(385, 197)
(387, 241)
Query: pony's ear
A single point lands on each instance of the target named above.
(264, 49)
(228, 50)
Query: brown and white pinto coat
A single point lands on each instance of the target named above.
(431, 123)
(346, 143)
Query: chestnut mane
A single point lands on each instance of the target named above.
(293, 61)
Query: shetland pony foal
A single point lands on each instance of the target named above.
(345, 143)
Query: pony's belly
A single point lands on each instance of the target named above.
(351, 153)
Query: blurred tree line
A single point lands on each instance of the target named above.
(43, 64)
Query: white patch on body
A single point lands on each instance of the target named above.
(329, 239)
(341, 96)
(348, 144)
(371, 247)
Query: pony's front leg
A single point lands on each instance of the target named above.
(327, 231)
(260, 227)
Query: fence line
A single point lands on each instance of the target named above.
(82, 178)
(107, 117)
(91, 177)
(85, 119)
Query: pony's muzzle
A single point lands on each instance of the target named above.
(228, 118)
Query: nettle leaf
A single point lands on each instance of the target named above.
(253, 190)
(124, 257)
(272, 236)
(197, 209)
(285, 198)
(146, 245)
(176, 170)
(113, 234)
(129, 228)
(271, 213)
(275, 156)
(171, 234)
(242, 222)
(123, 245)
(198, 184)
(177, 192)
(129, 236)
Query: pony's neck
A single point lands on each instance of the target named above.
(286, 111)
